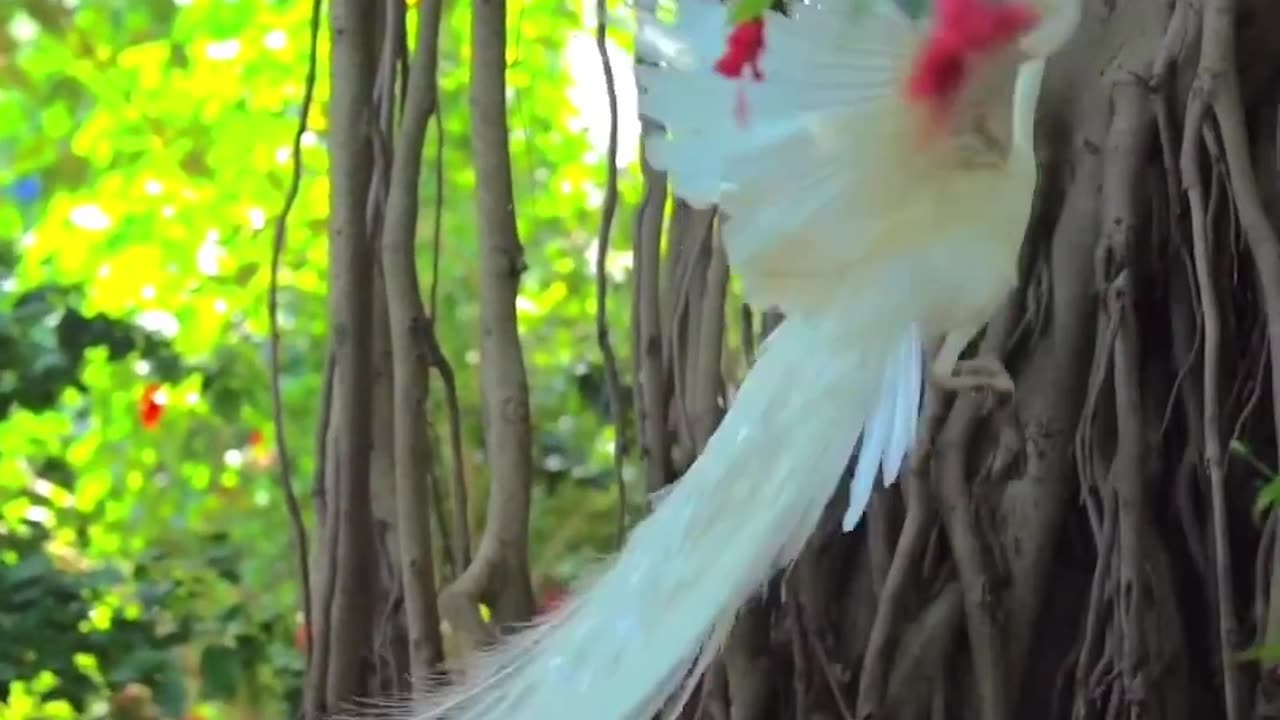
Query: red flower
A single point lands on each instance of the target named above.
(151, 407)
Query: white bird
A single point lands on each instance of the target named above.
(876, 181)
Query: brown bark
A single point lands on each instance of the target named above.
(646, 323)
(410, 361)
(499, 573)
(342, 608)
(609, 358)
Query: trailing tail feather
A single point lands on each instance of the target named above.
(644, 631)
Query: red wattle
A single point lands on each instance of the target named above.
(743, 49)
(961, 30)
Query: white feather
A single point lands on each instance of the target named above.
(825, 59)
(830, 139)
(891, 428)
(909, 386)
(644, 631)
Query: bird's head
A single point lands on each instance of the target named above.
(964, 34)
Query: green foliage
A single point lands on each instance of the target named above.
(741, 10)
(748, 9)
(73, 624)
(1264, 502)
(1269, 492)
(136, 268)
(144, 152)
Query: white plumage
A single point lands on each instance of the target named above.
(871, 245)
(831, 202)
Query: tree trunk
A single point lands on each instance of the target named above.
(376, 628)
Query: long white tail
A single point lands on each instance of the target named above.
(636, 641)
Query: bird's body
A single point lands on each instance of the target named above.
(875, 219)
(879, 163)
(837, 189)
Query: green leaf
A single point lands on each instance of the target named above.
(171, 693)
(744, 10)
(1266, 654)
(27, 571)
(219, 672)
(1268, 496)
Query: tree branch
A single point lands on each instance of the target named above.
(612, 380)
(1209, 79)
(409, 367)
(499, 573)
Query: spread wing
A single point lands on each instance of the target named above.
(829, 163)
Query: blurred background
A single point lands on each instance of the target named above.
(147, 562)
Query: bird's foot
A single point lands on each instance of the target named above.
(980, 373)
